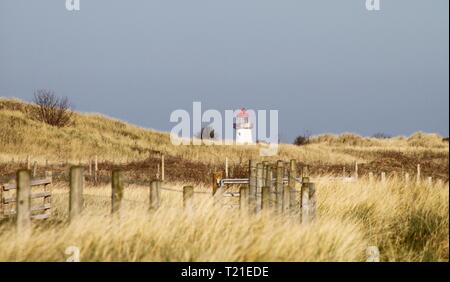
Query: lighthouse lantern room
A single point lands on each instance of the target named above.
(243, 128)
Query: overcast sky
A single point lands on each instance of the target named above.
(326, 65)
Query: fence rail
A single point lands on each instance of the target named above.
(11, 205)
(34, 182)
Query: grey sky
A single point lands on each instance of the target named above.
(327, 66)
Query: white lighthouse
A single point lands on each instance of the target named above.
(243, 128)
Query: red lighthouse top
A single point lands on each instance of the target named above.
(243, 113)
(242, 120)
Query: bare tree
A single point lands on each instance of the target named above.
(381, 135)
(51, 109)
(207, 133)
(303, 139)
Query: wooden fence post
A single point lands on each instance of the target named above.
(418, 174)
(305, 203)
(265, 197)
(305, 174)
(213, 183)
(188, 194)
(90, 167)
(279, 187)
(243, 198)
(117, 190)
(252, 186)
(34, 168)
(155, 185)
(383, 177)
(265, 169)
(430, 181)
(157, 172)
(292, 173)
(356, 170)
(23, 202)
(162, 168)
(312, 201)
(291, 186)
(269, 183)
(308, 202)
(28, 162)
(76, 191)
(259, 182)
(226, 167)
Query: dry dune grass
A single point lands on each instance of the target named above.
(407, 223)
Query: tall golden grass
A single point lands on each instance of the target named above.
(407, 222)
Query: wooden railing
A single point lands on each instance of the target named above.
(8, 199)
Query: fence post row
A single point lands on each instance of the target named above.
(282, 198)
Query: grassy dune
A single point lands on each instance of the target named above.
(110, 139)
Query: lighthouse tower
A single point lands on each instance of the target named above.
(243, 128)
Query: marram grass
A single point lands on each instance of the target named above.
(406, 223)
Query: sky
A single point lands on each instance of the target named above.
(327, 66)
